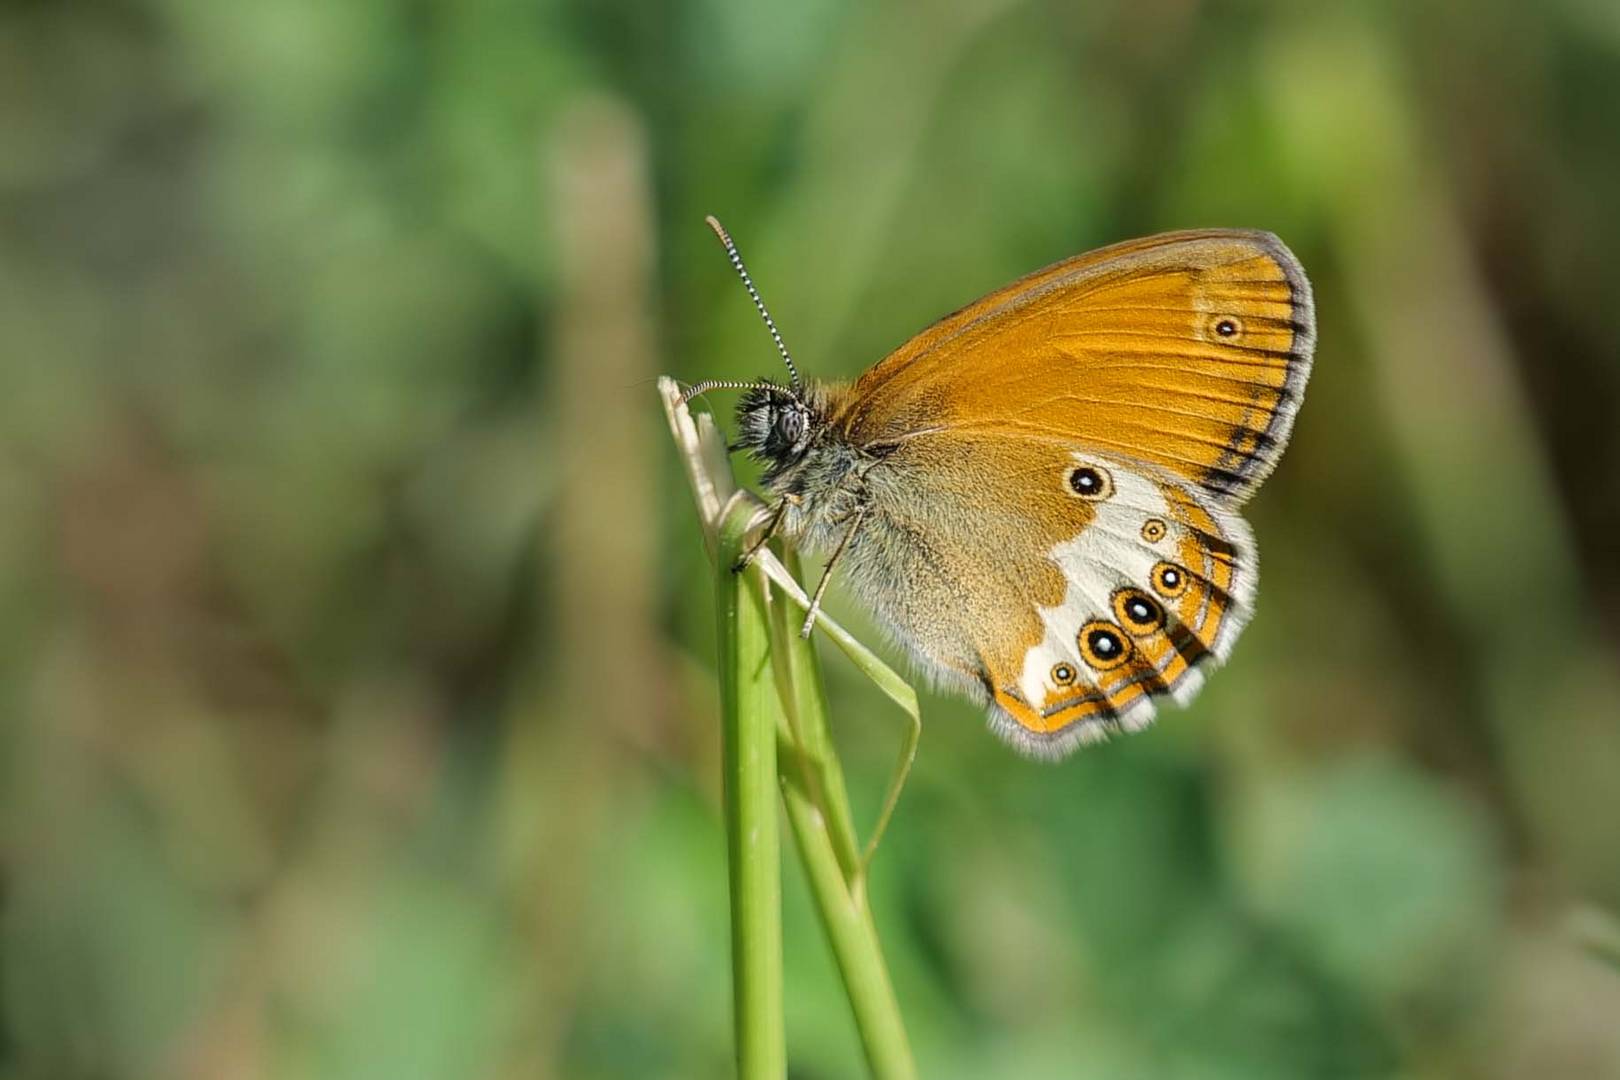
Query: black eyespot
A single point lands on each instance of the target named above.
(1062, 674)
(1153, 530)
(1168, 579)
(1090, 482)
(1137, 611)
(1102, 645)
(1226, 328)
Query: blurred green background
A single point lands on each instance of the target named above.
(355, 634)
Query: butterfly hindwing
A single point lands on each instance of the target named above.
(1073, 588)
(1158, 584)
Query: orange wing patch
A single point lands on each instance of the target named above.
(1189, 351)
(1151, 638)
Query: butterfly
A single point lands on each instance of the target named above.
(1037, 496)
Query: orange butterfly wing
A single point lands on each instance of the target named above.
(1187, 350)
(1012, 570)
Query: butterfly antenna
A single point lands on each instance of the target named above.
(723, 384)
(748, 283)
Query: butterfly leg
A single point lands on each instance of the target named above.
(897, 784)
(826, 575)
(764, 536)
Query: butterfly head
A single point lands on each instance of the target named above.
(775, 424)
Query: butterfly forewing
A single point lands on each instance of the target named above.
(1188, 351)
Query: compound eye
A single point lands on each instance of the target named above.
(790, 425)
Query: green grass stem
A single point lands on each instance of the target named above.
(776, 733)
(750, 705)
(814, 795)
